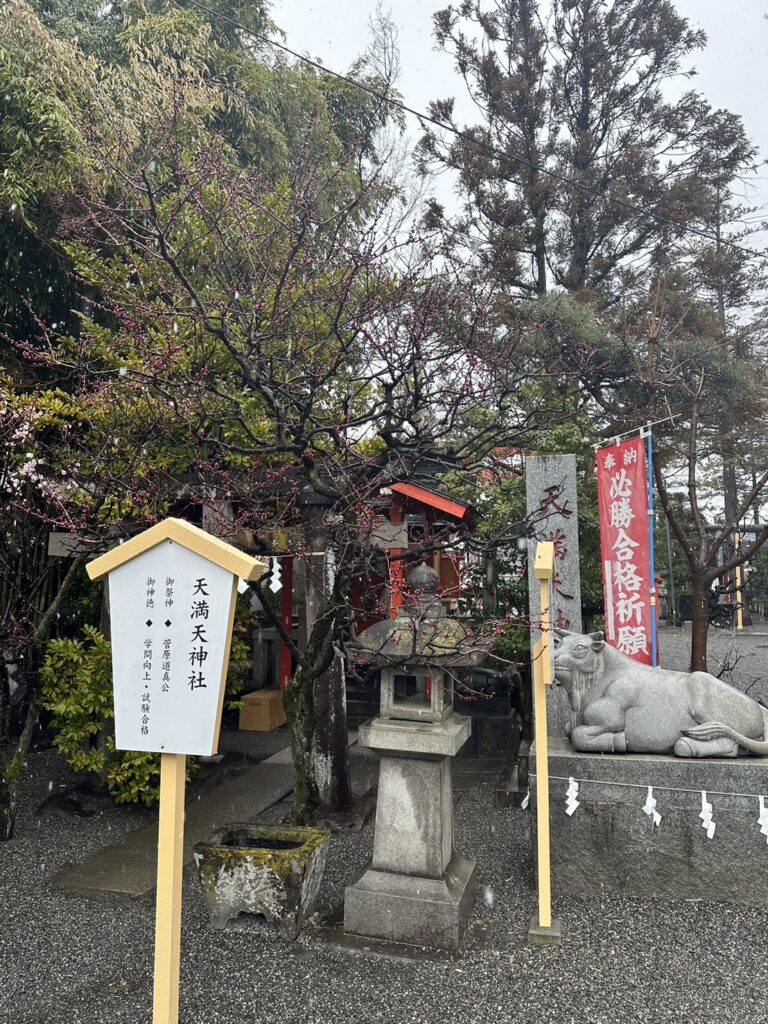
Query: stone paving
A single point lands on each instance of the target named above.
(130, 866)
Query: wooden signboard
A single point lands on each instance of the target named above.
(172, 592)
(169, 650)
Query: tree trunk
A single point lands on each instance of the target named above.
(315, 707)
(489, 584)
(541, 255)
(7, 809)
(12, 764)
(699, 624)
(298, 701)
(526, 730)
(11, 768)
(11, 761)
(331, 745)
(730, 505)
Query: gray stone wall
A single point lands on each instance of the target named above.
(610, 845)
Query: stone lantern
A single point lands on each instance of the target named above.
(416, 889)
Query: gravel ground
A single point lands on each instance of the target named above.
(68, 958)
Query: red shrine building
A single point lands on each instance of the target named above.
(409, 517)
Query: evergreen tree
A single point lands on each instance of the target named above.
(576, 133)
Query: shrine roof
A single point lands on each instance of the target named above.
(188, 536)
(434, 499)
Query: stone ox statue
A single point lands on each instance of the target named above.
(618, 704)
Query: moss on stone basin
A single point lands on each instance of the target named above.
(275, 871)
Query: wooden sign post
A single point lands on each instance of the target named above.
(172, 592)
(543, 930)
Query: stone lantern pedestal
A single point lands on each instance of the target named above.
(416, 889)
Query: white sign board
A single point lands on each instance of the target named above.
(170, 611)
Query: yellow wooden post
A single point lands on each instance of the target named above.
(543, 930)
(739, 603)
(170, 866)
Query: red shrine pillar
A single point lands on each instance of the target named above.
(396, 567)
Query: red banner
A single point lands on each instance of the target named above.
(622, 489)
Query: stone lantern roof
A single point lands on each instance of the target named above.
(422, 634)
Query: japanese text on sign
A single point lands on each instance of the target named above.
(623, 501)
(551, 503)
(552, 512)
(173, 606)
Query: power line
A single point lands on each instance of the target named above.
(466, 137)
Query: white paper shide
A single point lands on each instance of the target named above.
(170, 611)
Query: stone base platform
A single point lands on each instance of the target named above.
(540, 935)
(610, 845)
(411, 909)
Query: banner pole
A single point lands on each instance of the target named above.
(616, 438)
(651, 542)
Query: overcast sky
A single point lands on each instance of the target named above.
(732, 71)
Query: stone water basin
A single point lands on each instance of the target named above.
(274, 871)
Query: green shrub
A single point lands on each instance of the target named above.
(77, 691)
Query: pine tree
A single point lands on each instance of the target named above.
(576, 134)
